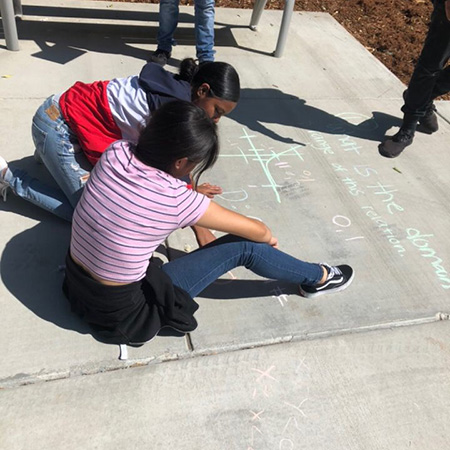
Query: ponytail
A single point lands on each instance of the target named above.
(188, 69)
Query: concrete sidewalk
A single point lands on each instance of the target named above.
(299, 152)
(379, 390)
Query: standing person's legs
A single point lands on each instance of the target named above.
(442, 85)
(422, 88)
(197, 270)
(433, 58)
(204, 29)
(168, 21)
(58, 148)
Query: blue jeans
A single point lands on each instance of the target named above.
(57, 147)
(197, 270)
(33, 190)
(204, 27)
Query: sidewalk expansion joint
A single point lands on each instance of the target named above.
(442, 117)
(23, 379)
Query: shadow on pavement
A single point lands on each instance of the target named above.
(62, 42)
(32, 270)
(295, 112)
(239, 289)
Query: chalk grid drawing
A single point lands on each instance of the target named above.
(264, 157)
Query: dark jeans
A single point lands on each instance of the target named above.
(197, 270)
(430, 79)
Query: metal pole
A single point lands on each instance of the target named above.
(9, 25)
(17, 8)
(258, 8)
(284, 28)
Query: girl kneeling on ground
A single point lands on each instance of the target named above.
(72, 130)
(133, 200)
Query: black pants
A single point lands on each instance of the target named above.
(132, 313)
(430, 78)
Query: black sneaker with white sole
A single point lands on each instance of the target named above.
(338, 279)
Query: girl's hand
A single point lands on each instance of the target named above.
(273, 242)
(203, 236)
(209, 190)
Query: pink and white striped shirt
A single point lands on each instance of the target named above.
(126, 211)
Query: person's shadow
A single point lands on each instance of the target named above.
(115, 31)
(258, 107)
(32, 269)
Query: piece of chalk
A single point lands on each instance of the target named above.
(397, 170)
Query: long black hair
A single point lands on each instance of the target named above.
(177, 130)
(221, 77)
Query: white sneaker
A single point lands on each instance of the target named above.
(4, 185)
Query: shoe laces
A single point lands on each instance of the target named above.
(402, 136)
(430, 110)
(332, 270)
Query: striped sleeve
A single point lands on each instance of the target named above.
(191, 206)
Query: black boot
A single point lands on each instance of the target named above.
(393, 146)
(429, 123)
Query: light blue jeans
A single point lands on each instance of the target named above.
(204, 27)
(197, 270)
(57, 147)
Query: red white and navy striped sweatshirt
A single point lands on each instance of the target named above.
(102, 112)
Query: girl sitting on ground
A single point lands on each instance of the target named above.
(133, 200)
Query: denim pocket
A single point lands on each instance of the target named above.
(39, 138)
